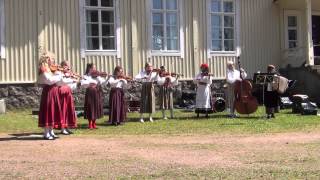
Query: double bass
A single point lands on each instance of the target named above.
(244, 103)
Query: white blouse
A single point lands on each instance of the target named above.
(87, 80)
(204, 79)
(49, 78)
(233, 76)
(143, 77)
(161, 80)
(117, 83)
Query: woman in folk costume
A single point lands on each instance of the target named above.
(167, 83)
(271, 97)
(66, 86)
(93, 104)
(203, 80)
(117, 102)
(147, 77)
(233, 75)
(50, 115)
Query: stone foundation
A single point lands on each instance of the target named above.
(28, 95)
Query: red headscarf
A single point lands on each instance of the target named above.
(204, 66)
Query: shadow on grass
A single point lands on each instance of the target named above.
(23, 137)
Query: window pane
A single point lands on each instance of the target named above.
(107, 3)
(216, 45)
(292, 21)
(292, 44)
(172, 4)
(107, 30)
(158, 31)
(157, 4)
(108, 43)
(107, 16)
(92, 16)
(216, 33)
(228, 21)
(215, 21)
(157, 18)
(157, 43)
(172, 44)
(215, 6)
(172, 32)
(228, 33)
(91, 2)
(228, 6)
(292, 34)
(228, 45)
(172, 19)
(92, 30)
(93, 43)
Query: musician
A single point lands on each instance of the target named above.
(147, 77)
(66, 86)
(117, 103)
(166, 83)
(50, 107)
(233, 75)
(93, 105)
(203, 80)
(271, 96)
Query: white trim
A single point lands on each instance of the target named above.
(237, 28)
(2, 31)
(83, 50)
(286, 36)
(181, 24)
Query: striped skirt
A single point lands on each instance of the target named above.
(147, 98)
(166, 97)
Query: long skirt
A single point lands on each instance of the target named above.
(203, 100)
(67, 108)
(93, 103)
(118, 107)
(166, 98)
(50, 108)
(147, 98)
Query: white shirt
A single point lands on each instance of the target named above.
(143, 77)
(117, 83)
(87, 80)
(161, 80)
(49, 78)
(66, 82)
(203, 91)
(233, 76)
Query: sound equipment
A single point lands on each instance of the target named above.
(285, 103)
(219, 104)
(302, 105)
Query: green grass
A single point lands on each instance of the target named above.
(184, 123)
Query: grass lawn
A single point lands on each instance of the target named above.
(249, 147)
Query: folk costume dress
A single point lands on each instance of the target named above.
(147, 104)
(203, 97)
(50, 107)
(93, 104)
(232, 77)
(117, 102)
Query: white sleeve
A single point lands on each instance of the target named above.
(50, 79)
(174, 81)
(113, 81)
(67, 81)
(101, 80)
(139, 76)
(206, 79)
(244, 74)
(160, 80)
(85, 82)
(231, 77)
(73, 86)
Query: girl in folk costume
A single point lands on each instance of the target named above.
(147, 77)
(271, 97)
(203, 98)
(66, 86)
(117, 102)
(167, 83)
(93, 105)
(50, 115)
(233, 75)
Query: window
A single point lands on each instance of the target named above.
(292, 30)
(165, 25)
(100, 24)
(222, 25)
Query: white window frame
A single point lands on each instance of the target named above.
(288, 13)
(2, 31)
(83, 44)
(179, 52)
(237, 27)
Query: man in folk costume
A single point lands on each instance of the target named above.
(271, 96)
(233, 75)
(50, 114)
(167, 83)
(117, 102)
(93, 104)
(66, 86)
(147, 77)
(203, 80)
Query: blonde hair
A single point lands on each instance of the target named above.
(43, 60)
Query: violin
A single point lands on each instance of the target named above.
(207, 74)
(128, 78)
(95, 74)
(55, 67)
